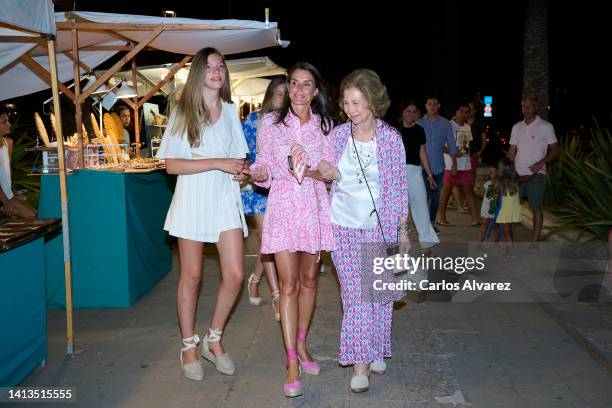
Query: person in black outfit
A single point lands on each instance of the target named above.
(417, 161)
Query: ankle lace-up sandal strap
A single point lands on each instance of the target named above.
(254, 278)
(214, 335)
(190, 342)
(193, 370)
(309, 367)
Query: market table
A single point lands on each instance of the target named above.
(23, 320)
(119, 249)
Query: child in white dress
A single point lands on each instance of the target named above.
(205, 146)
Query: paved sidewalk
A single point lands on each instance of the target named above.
(445, 354)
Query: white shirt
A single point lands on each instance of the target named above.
(463, 136)
(351, 204)
(5, 171)
(531, 143)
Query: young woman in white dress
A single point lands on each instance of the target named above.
(204, 144)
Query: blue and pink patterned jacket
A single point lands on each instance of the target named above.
(393, 201)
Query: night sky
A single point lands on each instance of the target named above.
(455, 49)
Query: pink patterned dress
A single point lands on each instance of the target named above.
(298, 216)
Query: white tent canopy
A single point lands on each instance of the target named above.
(245, 76)
(17, 20)
(180, 35)
(18, 14)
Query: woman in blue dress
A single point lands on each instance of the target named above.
(254, 198)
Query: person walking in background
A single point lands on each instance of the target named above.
(417, 162)
(479, 139)
(462, 178)
(506, 187)
(533, 145)
(297, 223)
(369, 204)
(254, 198)
(204, 144)
(438, 134)
(488, 209)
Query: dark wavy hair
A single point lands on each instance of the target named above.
(320, 104)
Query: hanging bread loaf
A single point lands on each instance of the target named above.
(84, 134)
(110, 128)
(54, 126)
(96, 128)
(42, 131)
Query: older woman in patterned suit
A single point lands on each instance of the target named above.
(369, 174)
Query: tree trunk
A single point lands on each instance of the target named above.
(535, 54)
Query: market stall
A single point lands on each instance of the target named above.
(120, 249)
(23, 343)
(31, 62)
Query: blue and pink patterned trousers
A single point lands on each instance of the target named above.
(366, 326)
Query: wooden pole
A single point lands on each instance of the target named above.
(169, 77)
(64, 197)
(78, 112)
(44, 74)
(112, 70)
(135, 109)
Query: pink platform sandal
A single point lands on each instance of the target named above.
(309, 367)
(293, 389)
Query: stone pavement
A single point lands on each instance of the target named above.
(446, 354)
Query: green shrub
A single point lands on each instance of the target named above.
(584, 178)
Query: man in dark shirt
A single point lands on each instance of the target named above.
(415, 142)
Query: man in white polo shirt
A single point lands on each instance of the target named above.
(533, 144)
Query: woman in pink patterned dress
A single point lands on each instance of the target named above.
(369, 169)
(297, 222)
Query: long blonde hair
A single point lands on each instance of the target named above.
(191, 113)
(506, 181)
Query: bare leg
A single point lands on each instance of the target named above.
(507, 228)
(483, 228)
(258, 269)
(309, 268)
(456, 197)
(190, 266)
(360, 369)
(287, 264)
(267, 260)
(446, 190)
(538, 219)
(231, 258)
(471, 202)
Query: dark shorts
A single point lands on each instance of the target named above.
(533, 190)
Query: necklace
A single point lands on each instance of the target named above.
(364, 154)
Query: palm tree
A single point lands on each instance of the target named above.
(535, 54)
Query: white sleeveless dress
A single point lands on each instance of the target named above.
(208, 203)
(5, 171)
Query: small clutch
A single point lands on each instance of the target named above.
(298, 162)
